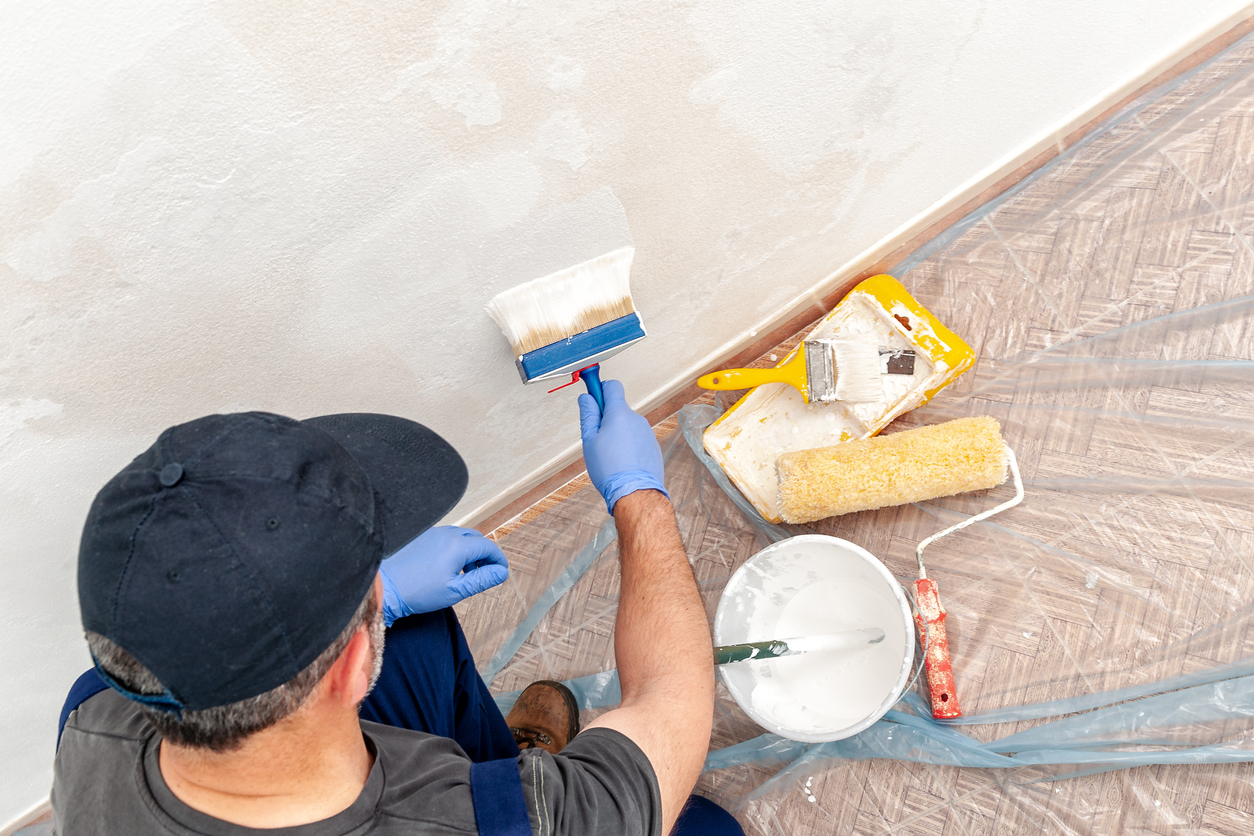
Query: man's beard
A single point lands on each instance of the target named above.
(376, 647)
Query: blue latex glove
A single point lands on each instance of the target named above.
(619, 448)
(437, 569)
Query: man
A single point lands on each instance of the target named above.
(235, 581)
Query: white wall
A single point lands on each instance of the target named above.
(303, 207)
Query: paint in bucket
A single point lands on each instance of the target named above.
(806, 586)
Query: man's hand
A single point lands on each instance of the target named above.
(619, 448)
(437, 569)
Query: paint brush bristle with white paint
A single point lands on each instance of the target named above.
(857, 368)
(571, 320)
(821, 370)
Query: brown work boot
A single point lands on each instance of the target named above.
(546, 717)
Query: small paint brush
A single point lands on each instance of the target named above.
(821, 370)
(805, 644)
(571, 320)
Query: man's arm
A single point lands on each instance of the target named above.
(661, 637)
(662, 643)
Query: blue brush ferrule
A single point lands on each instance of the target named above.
(573, 353)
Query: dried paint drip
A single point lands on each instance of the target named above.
(806, 586)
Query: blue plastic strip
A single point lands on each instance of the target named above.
(568, 578)
(1087, 702)
(588, 344)
(44, 828)
(693, 419)
(166, 701)
(1156, 328)
(1200, 704)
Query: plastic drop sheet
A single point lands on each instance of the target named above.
(1103, 631)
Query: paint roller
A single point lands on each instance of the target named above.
(967, 454)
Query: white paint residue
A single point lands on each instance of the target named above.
(808, 586)
(773, 700)
(503, 190)
(16, 414)
(866, 323)
(840, 686)
(452, 88)
(781, 66)
(449, 77)
(48, 252)
(564, 139)
(710, 90)
(564, 74)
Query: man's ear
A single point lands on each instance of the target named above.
(348, 680)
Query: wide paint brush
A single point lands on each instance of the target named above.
(566, 323)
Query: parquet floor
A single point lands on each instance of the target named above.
(1110, 300)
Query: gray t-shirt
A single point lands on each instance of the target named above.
(108, 782)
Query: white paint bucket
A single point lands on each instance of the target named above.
(811, 585)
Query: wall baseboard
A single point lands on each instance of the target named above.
(40, 812)
(884, 255)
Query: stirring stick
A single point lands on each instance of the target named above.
(803, 644)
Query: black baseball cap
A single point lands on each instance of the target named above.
(232, 552)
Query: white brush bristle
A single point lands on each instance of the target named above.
(568, 302)
(857, 371)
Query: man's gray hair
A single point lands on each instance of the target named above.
(224, 727)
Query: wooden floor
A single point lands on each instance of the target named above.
(1090, 295)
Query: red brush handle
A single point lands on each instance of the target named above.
(940, 673)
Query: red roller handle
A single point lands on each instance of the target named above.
(940, 673)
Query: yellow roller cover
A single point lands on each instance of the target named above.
(967, 454)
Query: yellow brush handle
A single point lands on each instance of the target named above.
(792, 372)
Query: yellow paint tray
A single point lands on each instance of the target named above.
(774, 419)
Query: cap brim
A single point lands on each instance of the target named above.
(417, 476)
